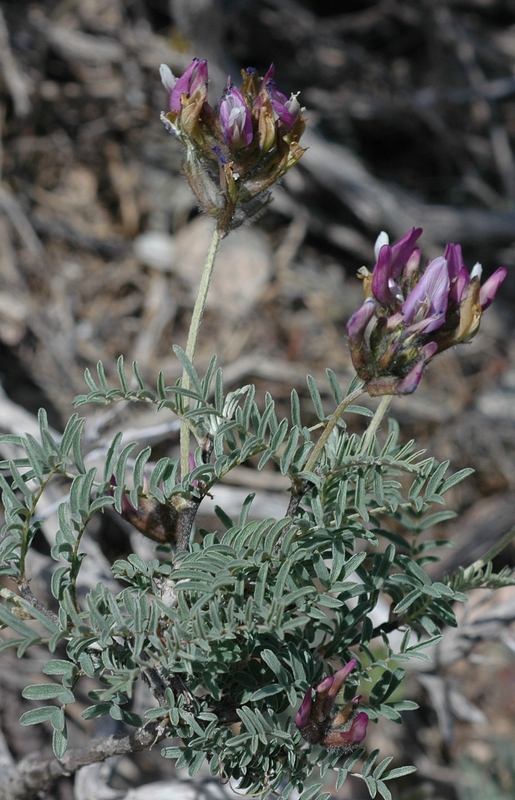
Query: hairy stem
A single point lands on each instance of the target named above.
(191, 345)
(317, 450)
(26, 539)
(28, 595)
(381, 410)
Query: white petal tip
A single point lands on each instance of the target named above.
(381, 240)
(168, 79)
(477, 271)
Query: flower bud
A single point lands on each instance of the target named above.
(286, 111)
(350, 736)
(489, 289)
(315, 718)
(156, 521)
(235, 119)
(195, 75)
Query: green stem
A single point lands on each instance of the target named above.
(381, 410)
(494, 550)
(191, 344)
(25, 543)
(315, 453)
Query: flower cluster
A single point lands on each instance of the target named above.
(315, 718)
(236, 151)
(410, 314)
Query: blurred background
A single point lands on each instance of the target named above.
(411, 109)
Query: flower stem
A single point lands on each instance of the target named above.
(191, 344)
(381, 410)
(494, 550)
(315, 453)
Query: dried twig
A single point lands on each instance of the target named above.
(379, 206)
(11, 207)
(37, 772)
(15, 81)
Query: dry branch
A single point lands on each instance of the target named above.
(36, 773)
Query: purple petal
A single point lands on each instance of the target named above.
(428, 300)
(196, 74)
(490, 286)
(358, 730)
(357, 324)
(327, 690)
(454, 258)
(235, 119)
(343, 738)
(269, 75)
(303, 715)
(412, 266)
(340, 677)
(282, 108)
(409, 383)
(293, 108)
(426, 325)
(394, 321)
(382, 276)
(402, 250)
(323, 687)
(428, 351)
(460, 285)
(391, 262)
(286, 109)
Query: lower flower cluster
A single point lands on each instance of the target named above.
(319, 725)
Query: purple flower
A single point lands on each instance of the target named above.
(325, 696)
(454, 258)
(315, 718)
(409, 383)
(195, 75)
(327, 690)
(286, 109)
(390, 263)
(235, 119)
(410, 314)
(458, 273)
(303, 715)
(358, 323)
(425, 306)
(461, 280)
(348, 737)
(488, 290)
